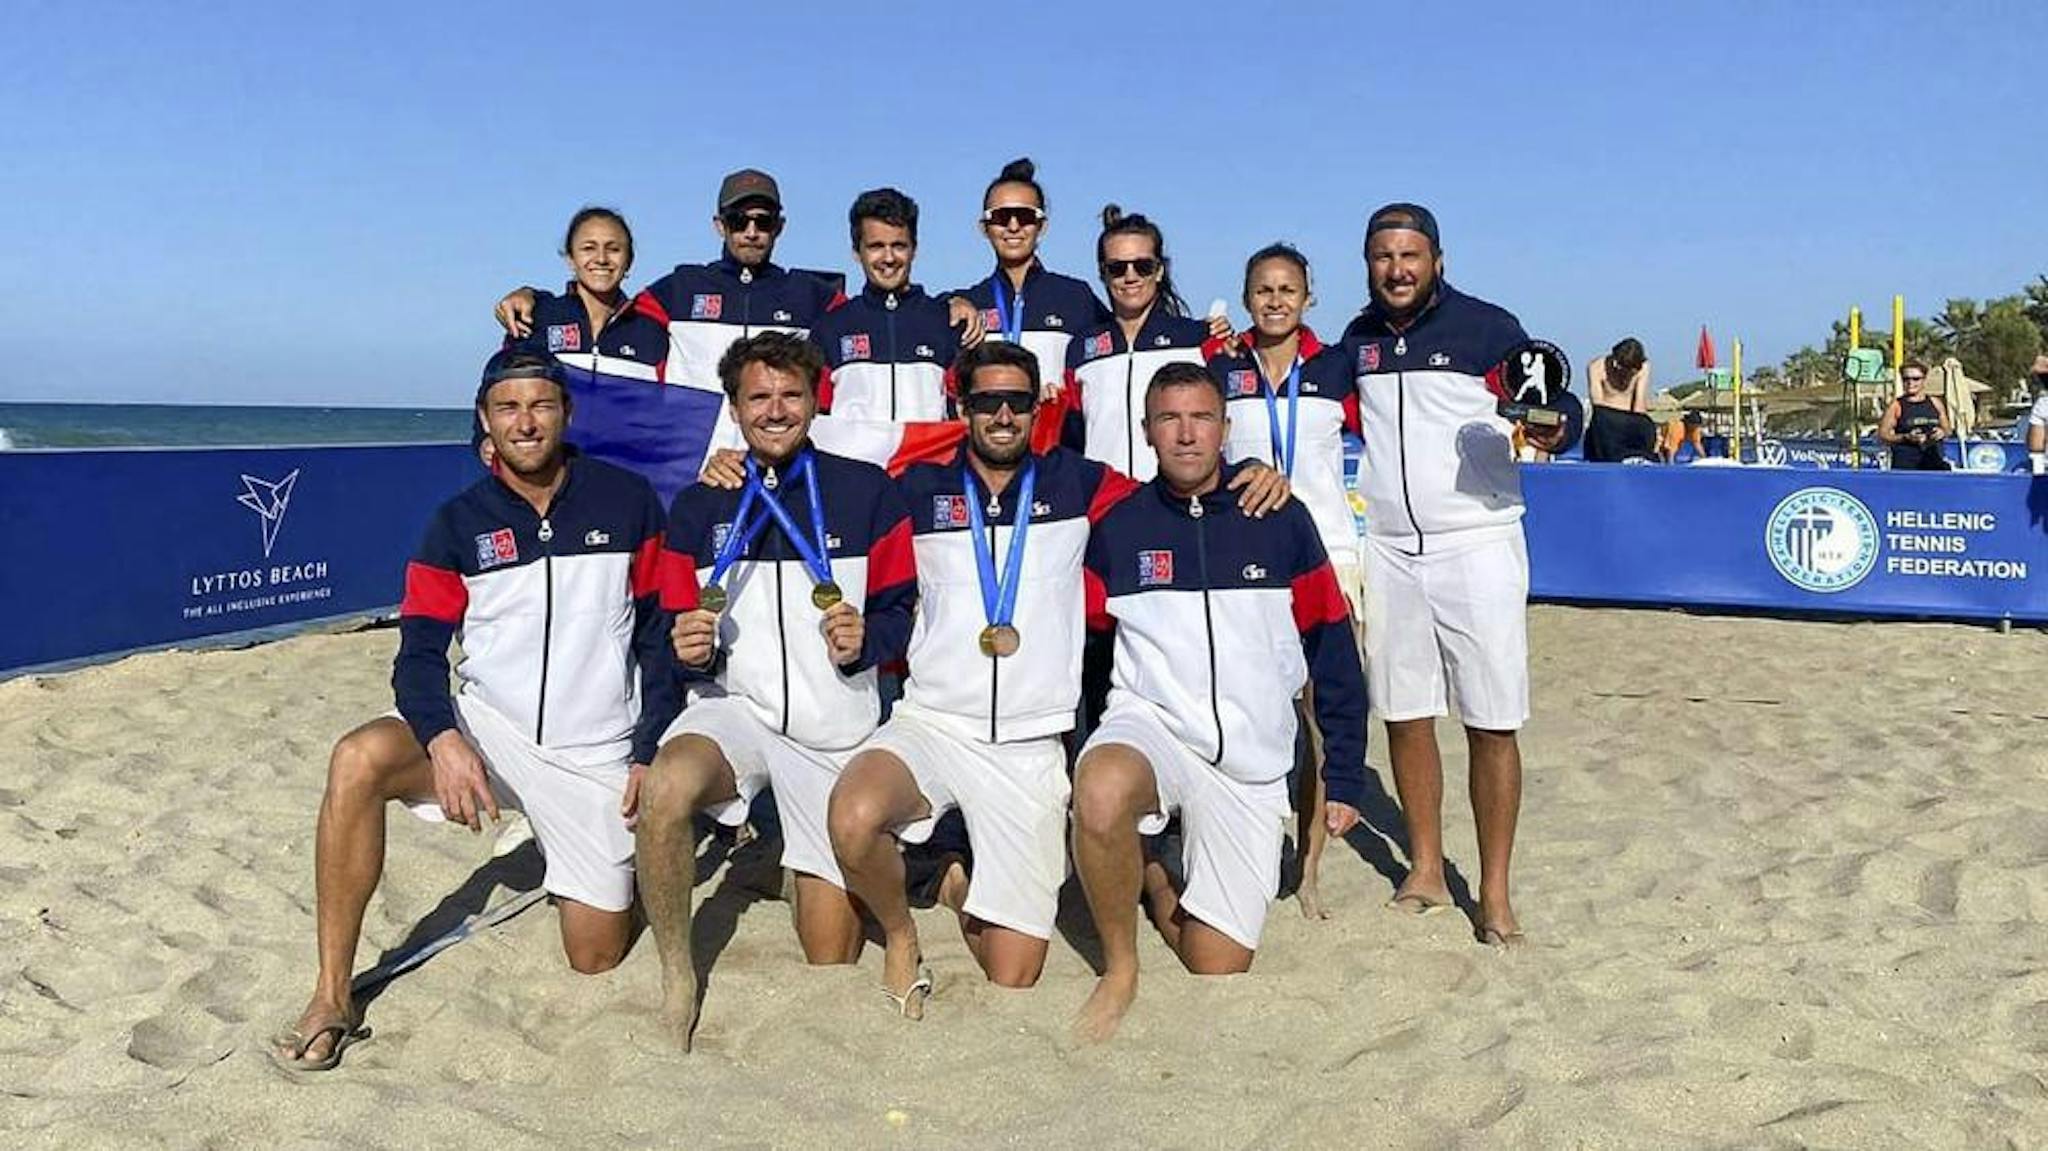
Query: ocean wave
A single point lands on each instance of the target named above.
(6, 441)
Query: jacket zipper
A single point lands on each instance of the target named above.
(892, 356)
(547, 627)
(1130, 425)
(1208, 619)
(1401, 433)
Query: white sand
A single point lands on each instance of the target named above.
(1784, 883)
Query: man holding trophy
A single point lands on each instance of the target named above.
(1443, 380)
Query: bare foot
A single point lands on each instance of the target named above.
(1099, 1018)
(903, 976)
(679, 1013)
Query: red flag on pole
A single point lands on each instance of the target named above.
(1705, 359)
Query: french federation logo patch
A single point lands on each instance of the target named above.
(1097, 345)
(1241, 383)
(1155, 568)
(992, 320)
(565, 338)
(494, 548)
(1369, 358)
(949, 511)
(853, 347)
(706, 307)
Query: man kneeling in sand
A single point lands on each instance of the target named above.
(548, 570)
(1220, 619)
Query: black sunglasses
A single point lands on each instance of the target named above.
(1015, 216)
(1020, 403)
(768, 222)
(1113, 269)
(1915, 379)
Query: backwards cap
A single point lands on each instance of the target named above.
(1404, 216)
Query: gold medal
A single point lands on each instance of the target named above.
(1000, 641)
(712, 598)
(825, 595)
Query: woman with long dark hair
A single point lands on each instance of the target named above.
(1618, 384)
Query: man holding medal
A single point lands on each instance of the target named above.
(1446, 571)
(788, 594)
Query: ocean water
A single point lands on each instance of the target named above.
(196, 425)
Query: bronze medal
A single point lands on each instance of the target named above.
(1000, 641)
(825, 595)
(712, 598)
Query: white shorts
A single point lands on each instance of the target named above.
(574, 810)
(1014, 799)
(1456, 619)
(1230, 831)
(764, 758)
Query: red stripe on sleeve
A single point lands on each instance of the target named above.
(435, 593)
(678, 578)
(926, 442)
(1115, 486)
(647, 568)
(1212, 348)
(1096, 597)
(1052, 416)
(825, 390)
(645, 304)
(1351, 421)
(1318, 600)
(892, 561)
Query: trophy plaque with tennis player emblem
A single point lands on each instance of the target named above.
(1532, 376)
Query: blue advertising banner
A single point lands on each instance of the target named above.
(1867, 543)
(114, 550)
(1824, 452)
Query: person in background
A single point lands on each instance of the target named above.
(1618, 384)
(1679, 433)
(1290, 406)
(1915, 424)
(2037, 420)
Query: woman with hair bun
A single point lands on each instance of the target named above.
(1109, 364)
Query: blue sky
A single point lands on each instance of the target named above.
(299, 204)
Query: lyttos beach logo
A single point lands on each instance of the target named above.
(268, 499)
(1822, 539)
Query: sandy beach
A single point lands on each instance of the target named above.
(1784, 884)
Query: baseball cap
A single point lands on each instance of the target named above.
(522, 361)
(748, 184)
(1404, 216)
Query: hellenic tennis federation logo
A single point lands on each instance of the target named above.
(1822, 539)
(269, 501)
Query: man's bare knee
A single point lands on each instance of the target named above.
(364, 764)
(679, 783)
(855, 816)
(1110, 789)
(1218, 964)
(594, 957)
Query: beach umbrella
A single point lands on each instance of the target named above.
(1704, 359)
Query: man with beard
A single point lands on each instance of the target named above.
(789, 593)
(550, 562)
(1446, 572)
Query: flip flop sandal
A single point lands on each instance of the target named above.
(920, 990)
(1417, 905)
(345, 1036)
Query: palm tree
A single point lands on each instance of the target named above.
(1957, 323)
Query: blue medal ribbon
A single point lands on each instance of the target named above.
(1009, 311)
(1283, 454)
(741, 534)
(811, 551)
(999, 600)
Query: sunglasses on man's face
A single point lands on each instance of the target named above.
(737, 222)
(1115, 269)
(1916, 379)
(1015, 216)
(989, 403)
